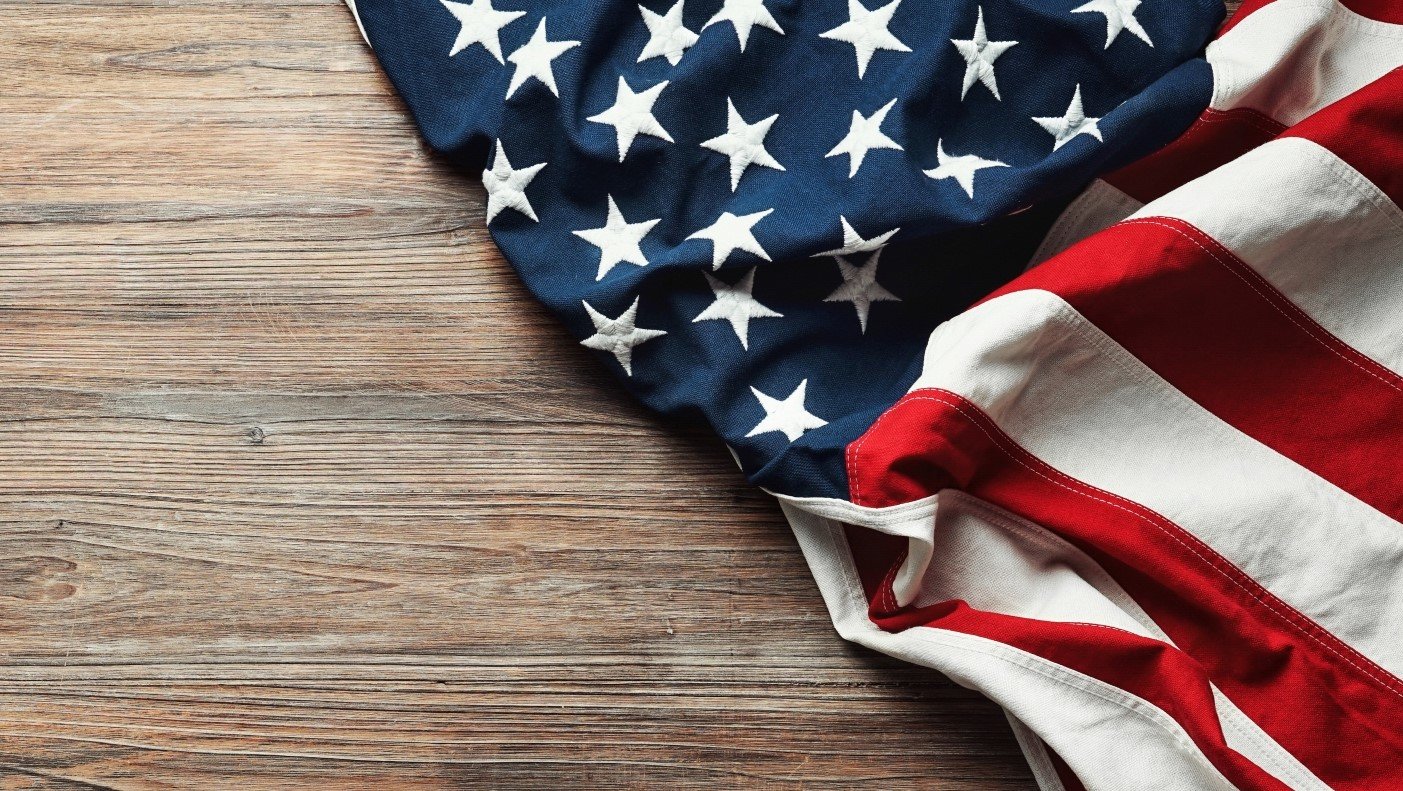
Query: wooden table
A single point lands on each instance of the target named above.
(299, 489)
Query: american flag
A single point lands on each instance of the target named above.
(1145, 494)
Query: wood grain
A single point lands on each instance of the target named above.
(299, 489)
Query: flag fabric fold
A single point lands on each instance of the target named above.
(1144, 495)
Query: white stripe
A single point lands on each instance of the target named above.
(351, 4)
(1292, 57)
(1287, 60)
(1091, 725)
(997, 562)
(1071, 396)
(1329, 239)
(1098, 207)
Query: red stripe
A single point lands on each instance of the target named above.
(1296, 680)
(1222, 335)
(1216, 330)
(1365, 129)
(1216, 138)
(1149, 669)
(1390, 11)
(1362, 129)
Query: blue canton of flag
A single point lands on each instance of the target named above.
(756, 211)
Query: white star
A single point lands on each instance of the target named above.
(506, 186)
(867, 32)
(743, 143)
(736, 305)
(864, 135)
(480, 23)
(533, 59)
(618, 241)
(667, 38)
(853, 243)
(744, 15)
(1120, 15)
(961, 168)
(979, 54)
(1070, 125)
(787, 416)
(618, 336)
(632, 115)
(860, 287)
(730, 233)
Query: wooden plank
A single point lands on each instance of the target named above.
(298, 488)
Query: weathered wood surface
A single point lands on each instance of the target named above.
(297, 488)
